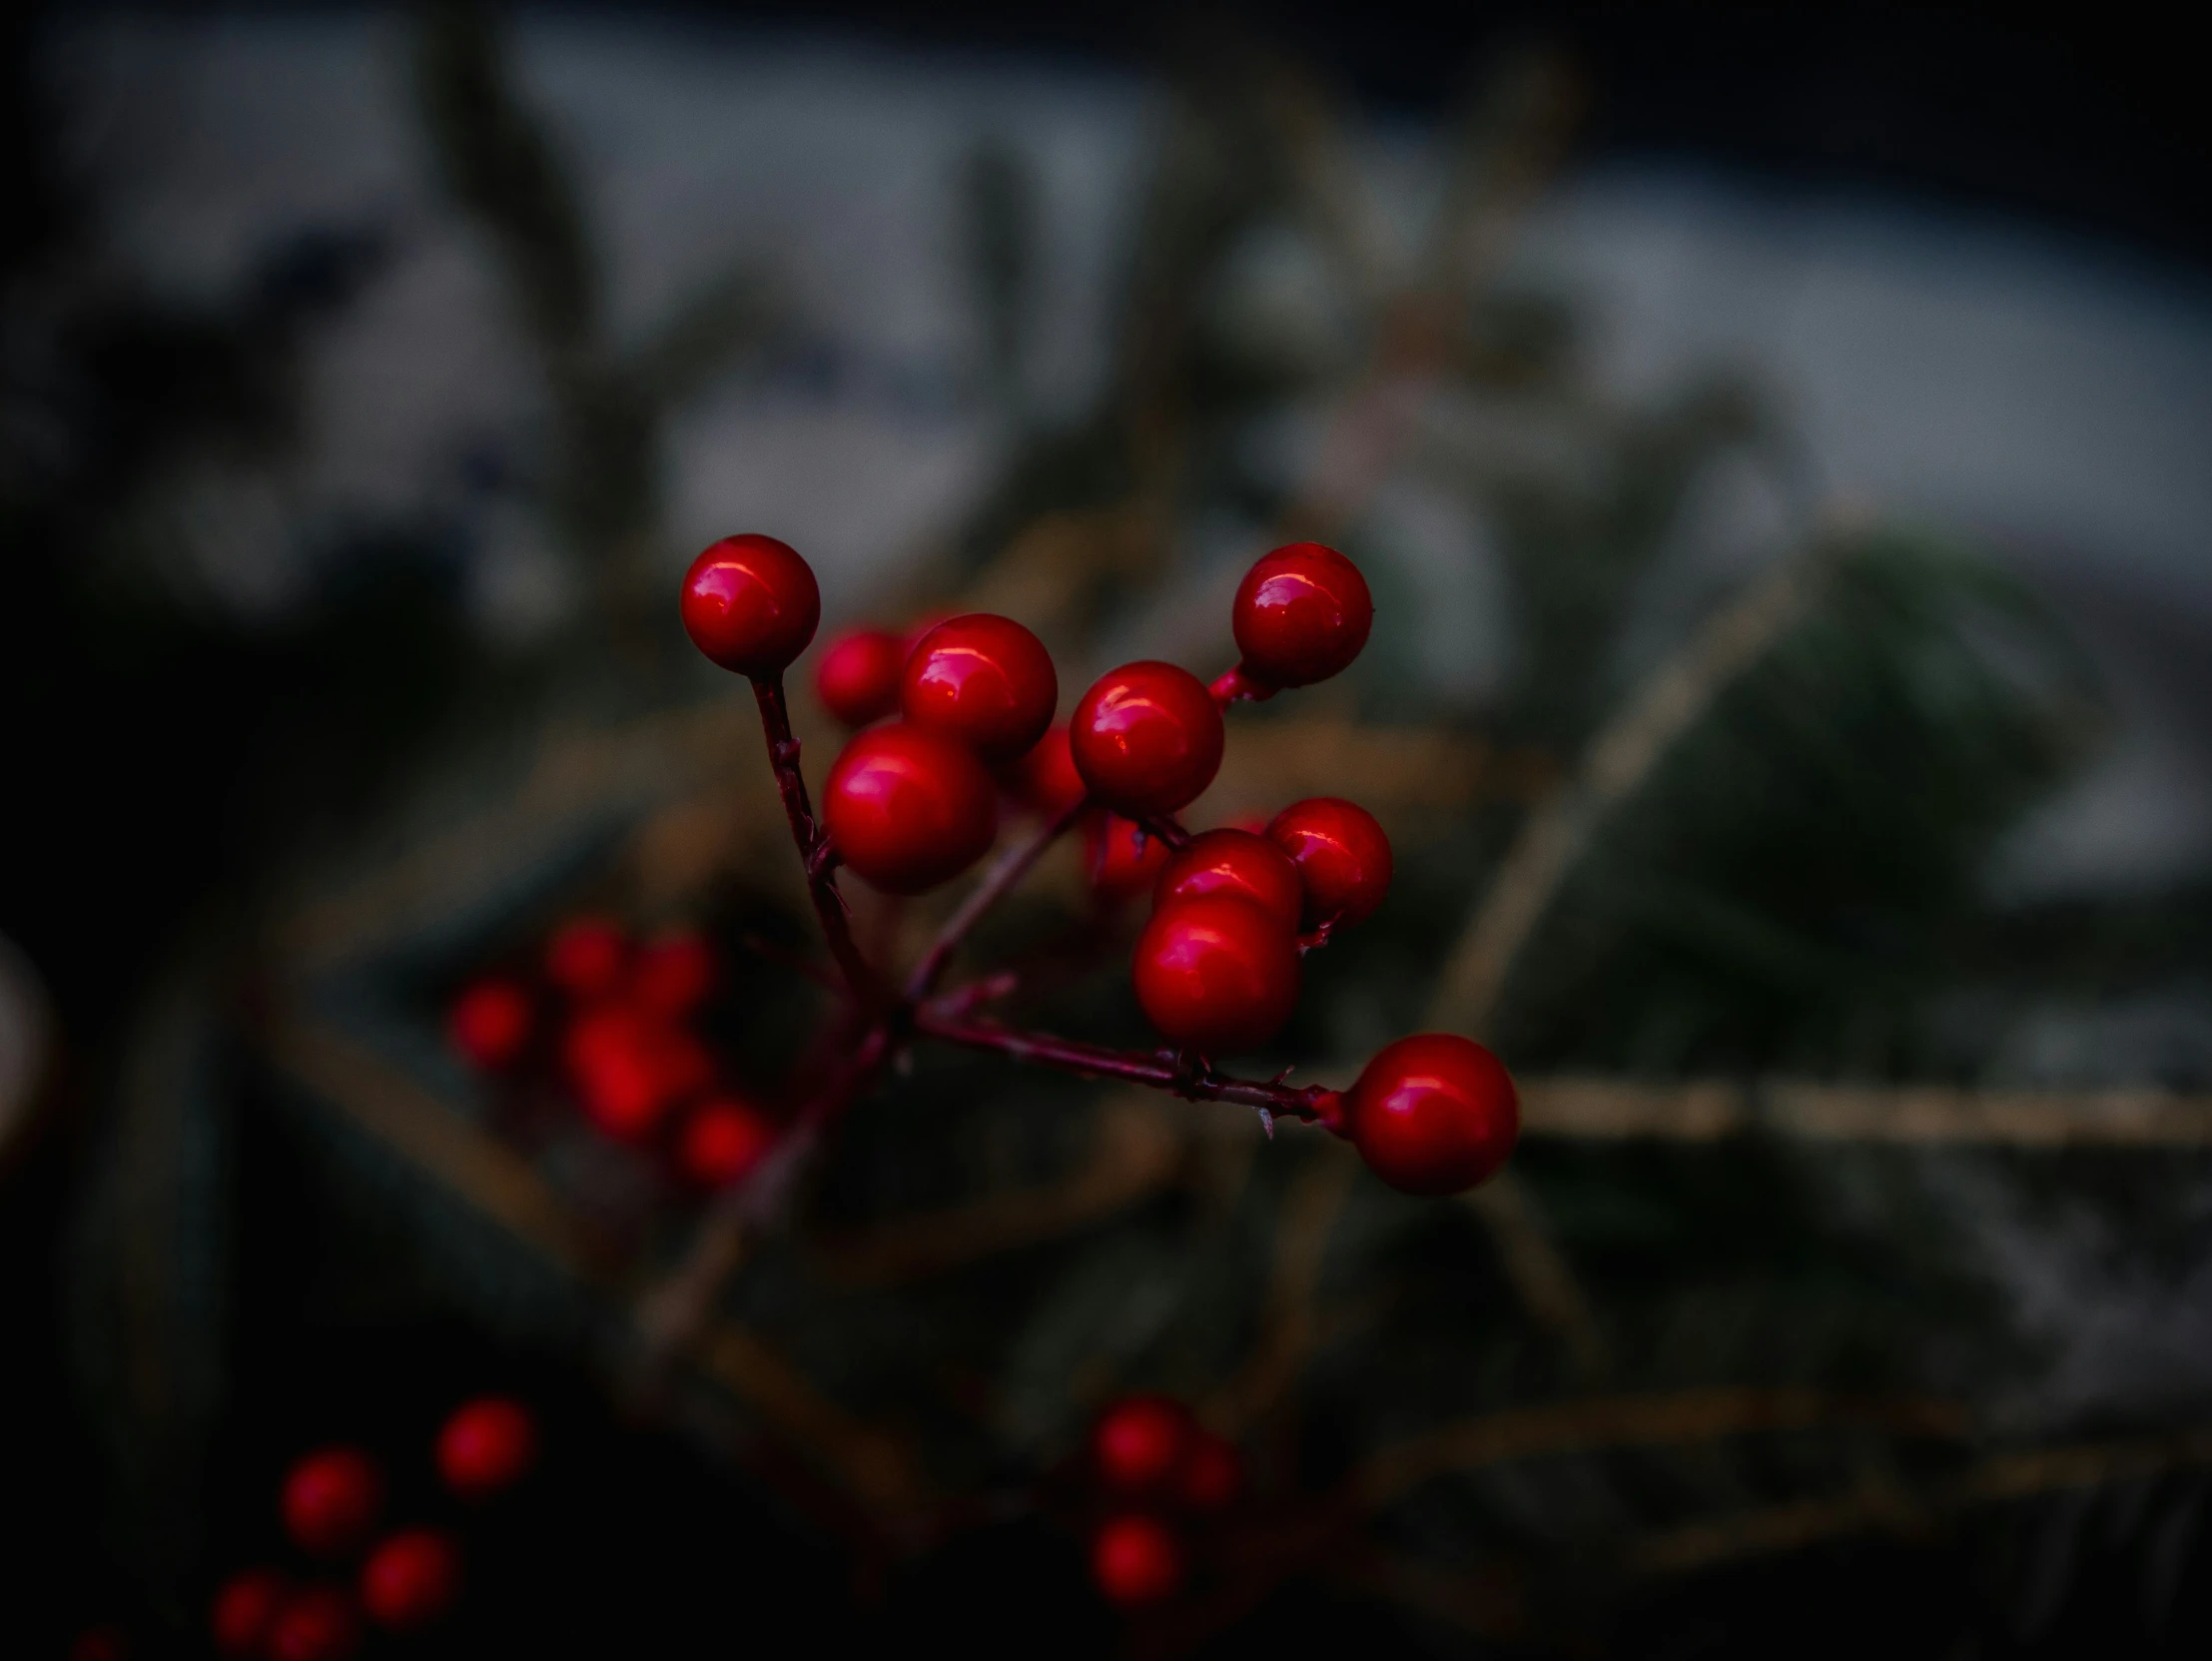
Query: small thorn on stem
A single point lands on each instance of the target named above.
(1267, 1123)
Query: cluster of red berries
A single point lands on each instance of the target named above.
(1160, 1482)
(912, 801)
(329, 1503)
(613, 1020)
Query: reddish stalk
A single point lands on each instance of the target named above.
(1166, 830)
(1238, 688)
(815, 851)
(1191, 1076)
(997, 882)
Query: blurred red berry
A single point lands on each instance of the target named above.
(722, 1140)
(1146, 738)
(100, 1643)
(331, 1498)
(1213, 1473)
(629, 1068)
(1341, 854)
(1301, 614)
(243, 1606)
(1138, 1444)
(983, 681)
(485, 1445)
(1045, 781)
(1233, 862)
(1119, 860)
(673, 975)
(316, 1623)
(908, 809)
(586, 958)
(412, 1578)
(489, 1022)
(1136, 1560)
(751, 604)
(858, 677)
(1434, 1113)
(1216, 974)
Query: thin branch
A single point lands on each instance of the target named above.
(1187, 1075)
(997, 882)
(1235, 686)
(1166, 830)
(814, 845)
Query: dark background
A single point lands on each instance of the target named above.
(131, 797)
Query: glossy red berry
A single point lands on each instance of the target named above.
(1434, 1113)
(722, 1140)
(1217, 972)
(1213, 1473)
(673, 975)
(245, 1605)
(858, 677)
(1301, 614)
(1138, 1444)
(1045, 781)
(487, 1445)
(1136, 1560)
(489, 1022)
(751, 604)
(411, 1579)
(908, 809)
(316, 1623)
(587, 956)
(331, 1498)
(1146, 738)
(1119, 859)
(1233, 862)
(983, 681)
(1341, 854)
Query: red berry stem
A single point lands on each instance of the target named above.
(1171, 835)
(1238, 688)
(997, 882)
(815, 852)
(1182, 1073)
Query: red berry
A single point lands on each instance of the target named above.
(487, 1445)
(1341, 855)
(316, 1623)
(630, 1067)
(1434, 1113)
(1301, 614)
(331, 1498)
(908, 809)
(1135, 1560)
(585, 957)
(1138, 1444)
(751, 604)
(1045, 781)
(489, 1022)
(722, 1140)
(1233, 862)
(412, 1578)
(1216, 972)
(1119, 858)
(245, 1605)
(983, 681)
(1146, 738)
(858, 677)
(1212, 1474)
(673, 975)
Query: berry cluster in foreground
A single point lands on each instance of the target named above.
(954, 717)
